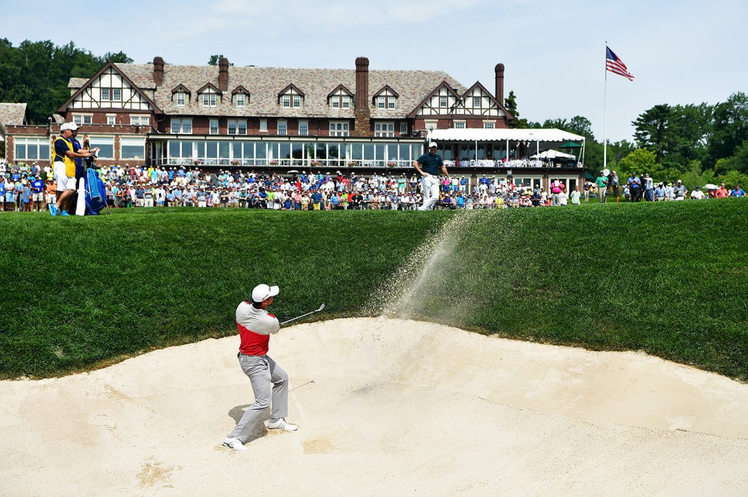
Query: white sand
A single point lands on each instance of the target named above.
(384, 407)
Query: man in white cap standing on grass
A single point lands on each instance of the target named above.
(255, 327)
(428, 166)
(64, 167)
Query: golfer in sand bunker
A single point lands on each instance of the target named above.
(255, 327)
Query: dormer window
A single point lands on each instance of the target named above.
(386, 98)
(291, 97)
(209, 95)
(180, 95)
(340, 98)
(240, 96)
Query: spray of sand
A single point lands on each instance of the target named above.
(425, 287)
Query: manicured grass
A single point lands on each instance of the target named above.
(670, 279)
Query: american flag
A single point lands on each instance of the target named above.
(615, 65)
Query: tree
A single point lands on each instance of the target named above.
(738, 162)
(639, 161)
(730, 127)
(117, 58)
(652, 129)
(510, 104)
(213, 61)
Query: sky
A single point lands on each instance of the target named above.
(680, 52)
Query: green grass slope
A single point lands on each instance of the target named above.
(669, 279)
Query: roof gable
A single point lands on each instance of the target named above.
(341, 88)
(209, 88)
(291, 89)
(436, 92)
(89, 95)
(240, 89)
(386, 89)
(180, 88)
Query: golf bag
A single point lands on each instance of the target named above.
(95, 192)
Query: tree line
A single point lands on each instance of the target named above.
(698, 143)
(37, 73)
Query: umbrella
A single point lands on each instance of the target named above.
(293, 171)
(710, 186)
(570, 144)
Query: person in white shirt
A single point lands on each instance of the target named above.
(269, 380)
(697, 194)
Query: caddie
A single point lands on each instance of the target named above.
(255, 327)
(64, 167)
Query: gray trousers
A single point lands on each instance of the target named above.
(262, 372)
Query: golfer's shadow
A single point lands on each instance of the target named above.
(260, 431)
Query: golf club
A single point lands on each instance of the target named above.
(304, 315)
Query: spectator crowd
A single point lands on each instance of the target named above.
(30, 188)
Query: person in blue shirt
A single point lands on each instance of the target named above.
(37, 192)
(635, 187)
(316, 200)
(737, 192)
(2, 192)
(428, 166)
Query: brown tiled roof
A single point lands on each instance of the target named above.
(265, 83)
(76, 83)
(12, 114)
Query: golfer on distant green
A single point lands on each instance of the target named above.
(428, 166)
(255, 327)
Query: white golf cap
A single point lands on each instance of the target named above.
(432, 144)
(263, 291)
(70, 126)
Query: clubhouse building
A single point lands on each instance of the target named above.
(224, 117)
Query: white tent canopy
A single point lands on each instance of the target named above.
(501, 134)
(553, 154)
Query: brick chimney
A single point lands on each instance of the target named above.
(499, 83)
(158, 71)
(223, 74)
(362, 126)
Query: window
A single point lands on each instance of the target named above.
(111, 119)
(213, 127)
(442, 101)
(476, 102)
(116, 94)
(139, 120)
(346, 101)
(403, 128)
(240, 99)
(81, 119)
(106, 94)
(384, 129)
(209, 99)
(339, 128)
(132, 148)
(181, 99)
(286, 100)
(263, 125)
(335, 103)
(489, 124)
(183, 126)
(381, 102)
(297, 101)
(32, 148)
(282, 128)
(386, 98)
(237, 126)
(303, 128)
(105, 145)
(459, 124)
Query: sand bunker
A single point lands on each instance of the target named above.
(384, 407)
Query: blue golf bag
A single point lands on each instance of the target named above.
(95, 192)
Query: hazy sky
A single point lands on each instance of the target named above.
(554, 51)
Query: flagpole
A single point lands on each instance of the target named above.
(605, 112)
